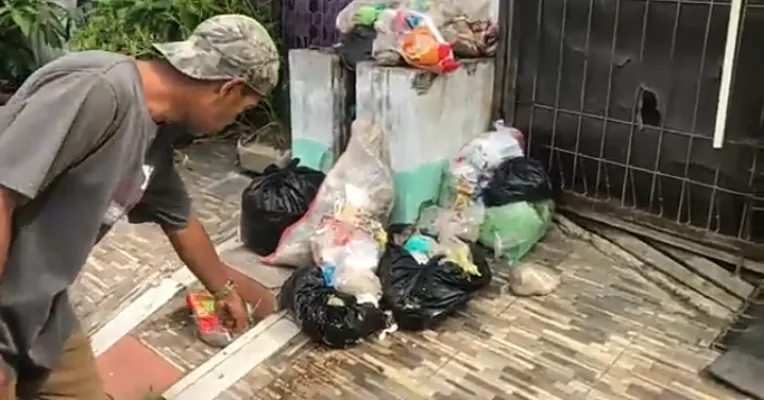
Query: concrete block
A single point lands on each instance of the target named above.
(495, 11)
(428, 119)
(317, 92)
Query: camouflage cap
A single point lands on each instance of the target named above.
(227, 47)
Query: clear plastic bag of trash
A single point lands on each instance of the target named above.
(486, 152)
(514, 229)
(533, 280)
(384, 49)
(463, 223)
(469, 172)
(357, 190)
(441, 11)
(414, 37)
(325, 315)
(471, 39)
(348, 257)
(461, 184)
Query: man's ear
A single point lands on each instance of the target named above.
(236, 85)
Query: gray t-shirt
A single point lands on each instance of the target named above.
(77, 142)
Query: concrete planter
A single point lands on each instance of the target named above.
(255, 155)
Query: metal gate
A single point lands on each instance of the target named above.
(619, 99)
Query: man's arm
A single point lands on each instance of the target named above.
(166, 203)
(195, 249)
(8, 202)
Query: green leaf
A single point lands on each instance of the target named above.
(22, 22)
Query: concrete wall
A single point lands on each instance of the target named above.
(428, 119)
(317, 105)
(495, 10)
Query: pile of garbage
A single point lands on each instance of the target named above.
(426, 34)
(493, 194)
(356, 276)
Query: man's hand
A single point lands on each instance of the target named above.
(194, 247)
(233, 312)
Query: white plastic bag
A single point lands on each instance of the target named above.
(355, 274)
(487, 151)
(348, 257)
(533, 280)
(469, 172)
(357, 190)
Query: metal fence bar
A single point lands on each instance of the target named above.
(728, 68)
(608, 100)
(582, 99)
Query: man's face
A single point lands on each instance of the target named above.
(218, 106)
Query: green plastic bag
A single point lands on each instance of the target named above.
(512, 230)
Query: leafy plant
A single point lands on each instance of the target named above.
(26, 26)
(131, 27)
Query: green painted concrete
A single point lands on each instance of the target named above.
(415, 190)
(313, 154)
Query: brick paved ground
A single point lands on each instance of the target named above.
(606, 333)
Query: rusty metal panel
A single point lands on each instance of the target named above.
(619, 99)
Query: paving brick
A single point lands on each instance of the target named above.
(131, 371)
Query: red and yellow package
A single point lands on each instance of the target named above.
(209, 326)
(422, 49)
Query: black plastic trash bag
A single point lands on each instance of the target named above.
(325, 315)
(518, 179)
(273, 201)
(422, 296)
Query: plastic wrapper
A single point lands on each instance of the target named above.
(422, 45)
(420, 247)
(513, 229)
(273, 201)
(533, 280)
(454, 250)
(423, 295)
(325, 315)
(209, 325)
(358, 190)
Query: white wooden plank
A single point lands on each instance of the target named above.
(213, 377)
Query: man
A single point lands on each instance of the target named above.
(82, 144)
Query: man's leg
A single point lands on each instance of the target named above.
(76, 377)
